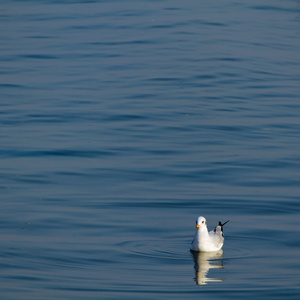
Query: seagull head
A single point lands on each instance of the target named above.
(200, 223)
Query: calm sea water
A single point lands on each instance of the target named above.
(123, 121)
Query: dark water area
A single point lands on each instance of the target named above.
(122, 122)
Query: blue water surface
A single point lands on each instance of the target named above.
(122, 122)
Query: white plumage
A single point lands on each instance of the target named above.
(207, 241)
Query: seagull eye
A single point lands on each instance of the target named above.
(202, 222)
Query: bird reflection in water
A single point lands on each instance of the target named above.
(203, 262)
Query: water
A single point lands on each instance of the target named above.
(122, 122)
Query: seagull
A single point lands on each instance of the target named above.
(207, 241)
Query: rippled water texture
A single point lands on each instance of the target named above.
(122, 122)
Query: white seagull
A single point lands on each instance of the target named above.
(207, 241)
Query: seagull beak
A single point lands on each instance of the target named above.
(197, 226)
